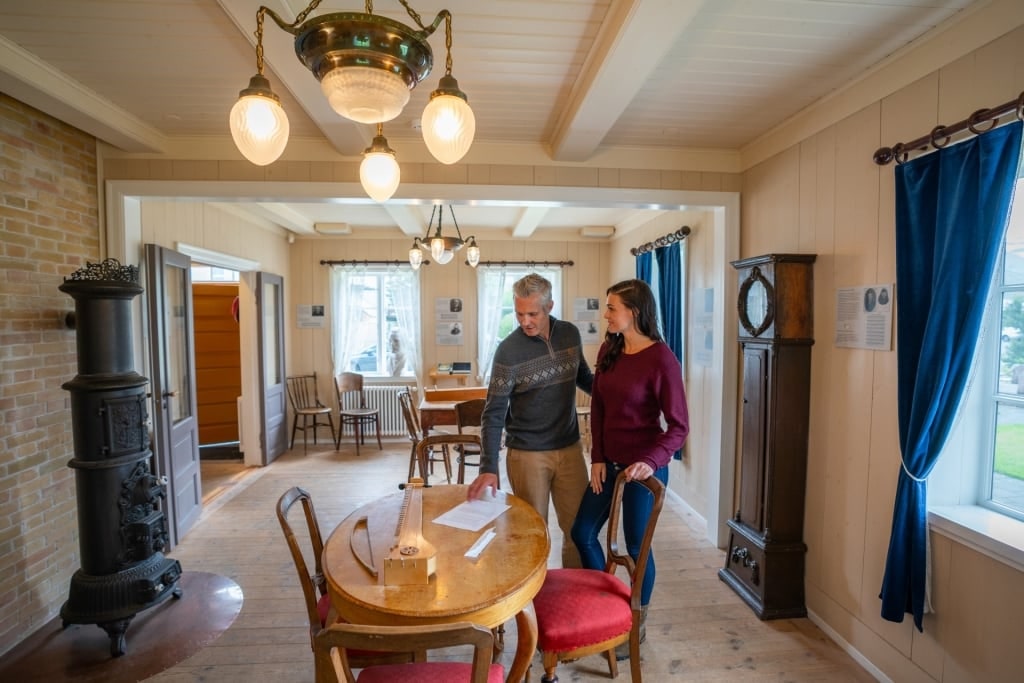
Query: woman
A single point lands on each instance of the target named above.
(637, 381)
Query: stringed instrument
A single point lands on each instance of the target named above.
(411, 559)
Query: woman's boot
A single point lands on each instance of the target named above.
(622, 650)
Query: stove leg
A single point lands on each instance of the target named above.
(116, 631)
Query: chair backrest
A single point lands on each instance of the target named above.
(617, 557)
(302, 392)
(427, 443)
(342, 638)
(582, 398)
(469, 413)
(314, 585)
(410, 415)
(349, 382)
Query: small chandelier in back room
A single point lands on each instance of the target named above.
(367, 65)
(442, 248)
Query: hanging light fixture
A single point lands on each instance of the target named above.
(367, 65)
(379, 172)
(442, 248)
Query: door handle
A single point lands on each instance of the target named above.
(170, 394)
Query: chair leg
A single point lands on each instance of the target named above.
(305, 435)
(376, 421)
(295, 426)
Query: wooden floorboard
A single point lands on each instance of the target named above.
(698, 628)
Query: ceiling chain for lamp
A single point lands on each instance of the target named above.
(440, 247)
(367, 65)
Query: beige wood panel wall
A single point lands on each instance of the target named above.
(310, 284)
(824, 195)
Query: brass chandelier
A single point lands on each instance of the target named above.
(441, 248)
(367, 65)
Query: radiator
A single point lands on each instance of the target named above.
(383, 397)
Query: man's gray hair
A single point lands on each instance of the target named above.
(532, 284)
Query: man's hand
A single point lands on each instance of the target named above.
(478, 488)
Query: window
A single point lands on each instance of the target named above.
(202, 273)
(497, 316)
(1003, 479)
(374, 324)
(976, 491)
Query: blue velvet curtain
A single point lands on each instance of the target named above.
(670, 291)
(951, 213)
(645, 267)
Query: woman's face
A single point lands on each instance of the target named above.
(617, 314)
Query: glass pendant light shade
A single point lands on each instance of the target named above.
(415, 257)
(448, 123)
(365, 94)
(445, 257)
(437, 248)
(258, 123)
(379, 173)
(473, 253)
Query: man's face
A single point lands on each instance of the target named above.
(533, 316)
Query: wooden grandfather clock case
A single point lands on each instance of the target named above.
(765, 558)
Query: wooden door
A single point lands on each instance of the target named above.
(172, 353)
(218, 361)
(270, 331)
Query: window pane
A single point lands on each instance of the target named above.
(1008, 475)
(366, 336)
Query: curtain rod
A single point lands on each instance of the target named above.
(940, 135)
(325, 262)
(500, 264)
(663, 241)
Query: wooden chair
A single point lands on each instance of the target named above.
(583, 418)
(468, 414)
(349, 388)
(302, 394)
(443, 442)
(342, 638)
(586, 611)
(415, 433)
(314, 589)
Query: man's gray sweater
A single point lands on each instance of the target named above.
(532, 393)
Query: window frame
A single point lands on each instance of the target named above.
(960, 504)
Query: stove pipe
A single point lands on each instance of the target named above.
(121, 527)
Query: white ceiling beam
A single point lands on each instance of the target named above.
(409, 220)
(347, 137)
(28, 79)
(633, 40)
(528, 221)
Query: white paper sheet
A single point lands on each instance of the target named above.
(473, 515)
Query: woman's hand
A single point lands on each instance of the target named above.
(597, 477)
(638, 471)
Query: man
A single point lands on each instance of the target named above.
(532, 396)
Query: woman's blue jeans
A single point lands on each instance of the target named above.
(594, 510)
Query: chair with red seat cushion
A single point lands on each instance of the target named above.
(314, 587)
(587, 611)
(343, 638)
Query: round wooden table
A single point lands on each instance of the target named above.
(490, 590)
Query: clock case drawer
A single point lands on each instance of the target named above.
(767, 575)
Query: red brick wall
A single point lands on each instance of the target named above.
(49, 227)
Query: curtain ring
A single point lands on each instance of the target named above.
(979, 117)
(938, 131)
(900, 153)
